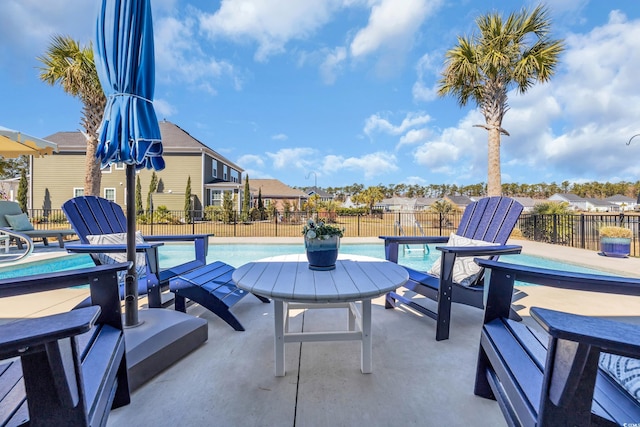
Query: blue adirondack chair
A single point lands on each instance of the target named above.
(490, 219)
(209, 285)
(91, 216)
(580, 371)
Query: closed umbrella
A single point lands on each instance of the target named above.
(14, 143)
(129, 132)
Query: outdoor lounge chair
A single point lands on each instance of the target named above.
(483, 231)
(12, 217)
(66, 369)
(210, 285)
(574, 371)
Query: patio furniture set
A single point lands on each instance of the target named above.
(557, 378)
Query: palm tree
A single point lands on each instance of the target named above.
(516, 52)
(73, 67)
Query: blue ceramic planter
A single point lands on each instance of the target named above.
(619, 247)
(322, 253)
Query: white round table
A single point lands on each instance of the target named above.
(288, 280)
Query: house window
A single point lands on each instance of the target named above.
(106, 169)
(78, 192)
(214, 168)
(235, 176)
(216, 198)
(120, 166)
(224, 172)
(110, 194)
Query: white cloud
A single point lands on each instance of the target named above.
(180, 58)
(163, 108)
(332, 64)
(392, 24)
(27, 26)
(280, 137)
(414, 136)
(391, 32)
(370, 165)
(269, 23)
(250, 159)
(377, 123)
(292, 157)
(426, 70)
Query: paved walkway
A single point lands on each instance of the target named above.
(416, 381)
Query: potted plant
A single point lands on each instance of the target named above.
(322, 242)
(615, 241)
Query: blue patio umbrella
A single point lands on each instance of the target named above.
(129, 132)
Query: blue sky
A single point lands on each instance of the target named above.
(343, 91)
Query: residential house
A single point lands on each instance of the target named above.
(322, 195)
(527, 203)
(424, 203)
(274, 192)
(461, 202)
(396, 203)
(575, 202)
(623, 202)
(59, 177)
(599, 205)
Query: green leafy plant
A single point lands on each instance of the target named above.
(320, 230)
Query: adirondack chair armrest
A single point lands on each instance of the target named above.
(414, 240)
(84, 248)
(21, 337)
(565, 279)
(177, 238)
(607, 335)
(59, 280)
(391, 243)
(467, 251)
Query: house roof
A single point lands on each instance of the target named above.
(598, 202)
(275, 189)
(620, 198)
(460, 200)
(319, 191)
(527, 202)
(174, 140)
(569, 197)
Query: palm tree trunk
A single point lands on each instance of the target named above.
(93, 174)
(494, 184)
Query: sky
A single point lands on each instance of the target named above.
(337, 92)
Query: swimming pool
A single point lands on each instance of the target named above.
(239, 254)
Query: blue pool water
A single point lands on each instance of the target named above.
(239, 254)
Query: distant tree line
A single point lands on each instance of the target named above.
(543, 190)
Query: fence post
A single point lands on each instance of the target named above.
(358, 216)
(440, 221)
(583, 232)
(275, 218)
(235, 225)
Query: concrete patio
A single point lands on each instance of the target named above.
(230, 381)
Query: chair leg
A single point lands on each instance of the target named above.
(444, 311)
(389, 301)
(180, 303)
(263, 299)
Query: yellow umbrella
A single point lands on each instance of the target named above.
(14, 144)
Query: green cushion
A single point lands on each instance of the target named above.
(19, 222)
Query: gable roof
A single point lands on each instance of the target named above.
(275, 189)
(620, 198)
(174, 140)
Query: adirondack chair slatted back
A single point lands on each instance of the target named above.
(90, 215)
(490, 219)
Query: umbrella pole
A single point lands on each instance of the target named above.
(131, 281)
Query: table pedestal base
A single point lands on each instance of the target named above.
(359, 329)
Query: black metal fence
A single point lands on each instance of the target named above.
(575, 230)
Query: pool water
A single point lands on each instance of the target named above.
(239, 254)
